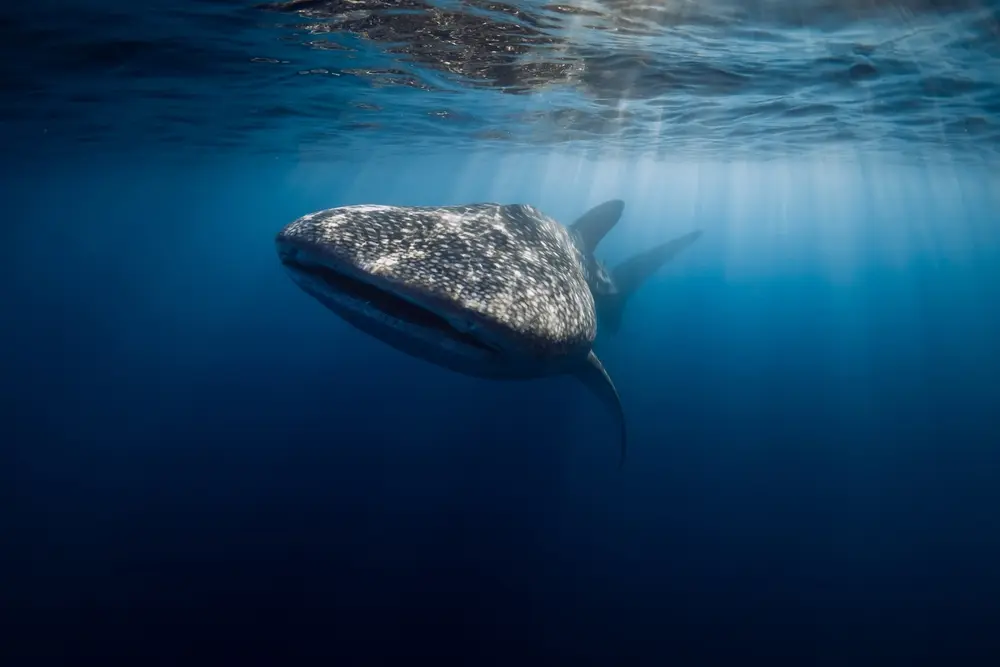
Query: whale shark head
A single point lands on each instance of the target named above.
(500, 288)
(489, 290)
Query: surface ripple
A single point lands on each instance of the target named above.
(712, 78)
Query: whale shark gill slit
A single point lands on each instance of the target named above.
(392, 305)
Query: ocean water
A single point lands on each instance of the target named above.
(202, 465)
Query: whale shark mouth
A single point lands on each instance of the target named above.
(386, 302)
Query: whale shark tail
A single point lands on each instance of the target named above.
(632, 273)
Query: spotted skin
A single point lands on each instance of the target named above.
(510, 266)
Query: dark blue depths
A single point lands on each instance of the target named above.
(200, 465)
(204, 463)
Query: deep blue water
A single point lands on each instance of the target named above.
(202, 465)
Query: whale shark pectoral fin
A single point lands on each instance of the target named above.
(597, 380)
(591, 227)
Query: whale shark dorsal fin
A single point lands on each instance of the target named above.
(591, 227)
(597, 380)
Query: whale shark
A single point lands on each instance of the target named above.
(487, 290)
(612, 289)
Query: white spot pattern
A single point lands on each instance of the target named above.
(508, 264)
